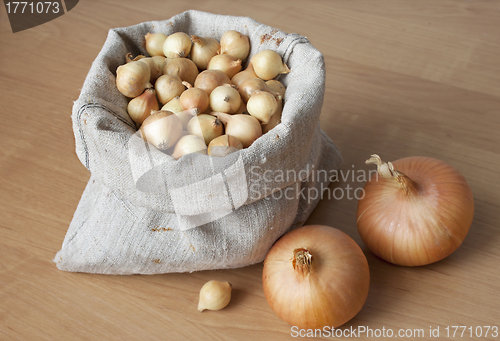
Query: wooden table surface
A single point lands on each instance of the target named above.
(403, 78)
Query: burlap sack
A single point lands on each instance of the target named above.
(142, 212)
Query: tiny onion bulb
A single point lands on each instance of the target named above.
(154, 68)
(224, 145)
(249, 86)
(245, 128)
(268, 64)
(133, 78)
(162, 129)
(154, 43)
(235, 44)
(194, 98)
(205, 126)
(262, 105)
(316, 276)
(226, 63)
(242, 76)
(277, 87)
(225, 98)
(416, 211)
(214, 295)
(203, 50)
(208, 80)
(140, 107)
(174, 105)
(168, 87)
(275, 119)
(182, 67)
(177, 45)
(189, 144)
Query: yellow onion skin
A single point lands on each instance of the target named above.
(421, 221)
(331, 293)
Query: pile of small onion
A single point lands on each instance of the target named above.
(190, 95)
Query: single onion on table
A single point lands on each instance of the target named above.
(316, 276)
(417, 211)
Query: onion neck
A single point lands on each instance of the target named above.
(302, 261)
(387, 171)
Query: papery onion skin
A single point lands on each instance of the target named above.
(421, 224)
(331, 293)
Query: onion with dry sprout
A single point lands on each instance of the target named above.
(416, 211)
(268, 64)
(316, 276)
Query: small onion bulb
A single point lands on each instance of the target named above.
(245, 128)
(194, 98)
(162, 129)
(224, 145)
(249, 86)
(154, 68)
(133, 78)
(225, 98)
(168, 87)
(214, 295)
(174, 105)
(205, 126)
(268, 64)
(262, 105)
(154, 43)
(140, 107)
(316, 276)
(182, 67)
(208, 80)
(226, 63)
(416, 211)
(189, 144)
(242, 76)
(275, 119)
(277, 87)
(177, 45)
(203, 50)
(235, 44)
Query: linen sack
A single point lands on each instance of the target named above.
(142, 212)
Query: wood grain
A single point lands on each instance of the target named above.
(403, 78)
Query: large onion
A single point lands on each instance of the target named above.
(316, 276)
(417, 211)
